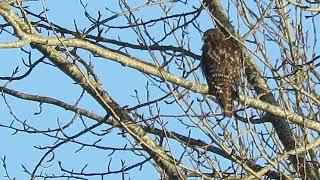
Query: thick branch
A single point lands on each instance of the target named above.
(161, 133)
(252, 72)
(164, 161)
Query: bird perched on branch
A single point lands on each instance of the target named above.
(221, 64)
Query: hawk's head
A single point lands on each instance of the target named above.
(213, 35)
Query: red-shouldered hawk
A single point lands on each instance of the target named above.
(221, 65)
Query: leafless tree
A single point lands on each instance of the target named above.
(130, 72)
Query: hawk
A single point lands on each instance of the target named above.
(221, 63)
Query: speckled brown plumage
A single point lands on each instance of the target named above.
(221, 64)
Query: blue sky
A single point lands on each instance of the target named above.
(48, 81)
(119, 81)
(19, 148)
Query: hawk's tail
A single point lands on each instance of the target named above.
(226, 100)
